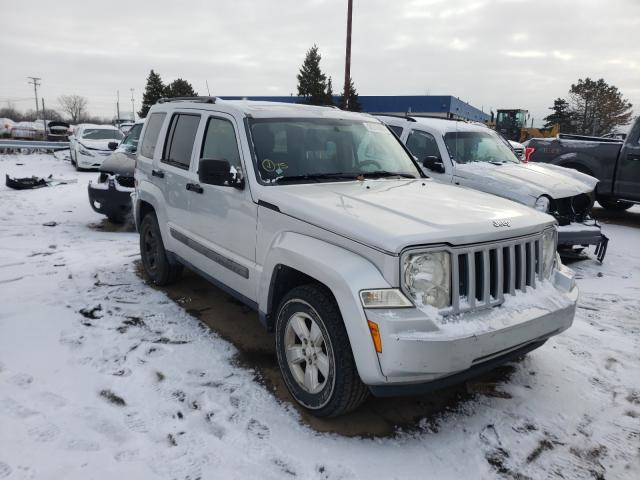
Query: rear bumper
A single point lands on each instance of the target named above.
(110, 199)
(419, 350)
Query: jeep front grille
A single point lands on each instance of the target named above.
(482, 275)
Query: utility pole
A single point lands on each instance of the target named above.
(347, 62)
(118, 107)
(35, 81)
(44, 120)
(133, 108)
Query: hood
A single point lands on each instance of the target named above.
(119, 163)
(96, 144)
(525, 182)
(393, 214)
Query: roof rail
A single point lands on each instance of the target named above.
(394, 115)
(188, 99)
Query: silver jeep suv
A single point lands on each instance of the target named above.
(373, 277)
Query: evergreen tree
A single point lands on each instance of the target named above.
(154, 91)
(349, 99)
(562, 115)
(179, 88)
(329, 94)
(312, 83)
(598, 107)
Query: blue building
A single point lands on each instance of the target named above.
(445, 106)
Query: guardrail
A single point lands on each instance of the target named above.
(33, 144)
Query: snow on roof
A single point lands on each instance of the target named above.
(266, 109)
(443, 125)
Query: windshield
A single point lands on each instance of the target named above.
(133, 136)
(102, 134)
(467, 147)
(318, 148)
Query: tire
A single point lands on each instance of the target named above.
(320, 372)
(155, 262)
(615, 205)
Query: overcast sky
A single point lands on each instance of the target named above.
(491, 53)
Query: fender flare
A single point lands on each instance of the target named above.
(152, 195)
(344, 273)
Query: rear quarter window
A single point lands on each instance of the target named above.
(154, 124)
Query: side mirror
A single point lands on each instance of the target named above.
(434, 164)
(218, 172)
(112, 145)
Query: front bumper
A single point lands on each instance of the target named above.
(418, 349)
(93, 161)
(109, 198)
(581, 234)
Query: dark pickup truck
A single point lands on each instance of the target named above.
(614, 163)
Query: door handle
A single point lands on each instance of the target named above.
(194, 187)
(157, 173)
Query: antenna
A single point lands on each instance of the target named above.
(208, 92)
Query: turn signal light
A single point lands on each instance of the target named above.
(375, 335)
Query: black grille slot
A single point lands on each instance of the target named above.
(463, 282)
(493, 277)
(479, 270)
(528, 264)
(507, 268)
(518, 270)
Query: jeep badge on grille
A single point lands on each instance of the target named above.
(502, 223)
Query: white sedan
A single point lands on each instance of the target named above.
(89, 145)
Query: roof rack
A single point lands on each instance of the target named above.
(188, 99)
(394, 115)
(411, 117)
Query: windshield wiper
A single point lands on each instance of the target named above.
(317, 177)
(385, 173)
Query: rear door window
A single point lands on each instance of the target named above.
(154, 124)
(179, 142)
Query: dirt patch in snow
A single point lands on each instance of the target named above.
(378, 417)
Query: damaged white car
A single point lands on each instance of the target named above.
(474, 156)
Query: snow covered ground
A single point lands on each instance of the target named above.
(102, 376)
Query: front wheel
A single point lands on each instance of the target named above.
(314, 353)
(615, 205)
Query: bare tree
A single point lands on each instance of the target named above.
(74, 105)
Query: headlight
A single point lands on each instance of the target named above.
(83, 151)
(427, 278)
(542, 204)
(549, 247)
(384, 298)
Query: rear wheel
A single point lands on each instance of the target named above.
(315, 355)
(154, 257)
(615, 205)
